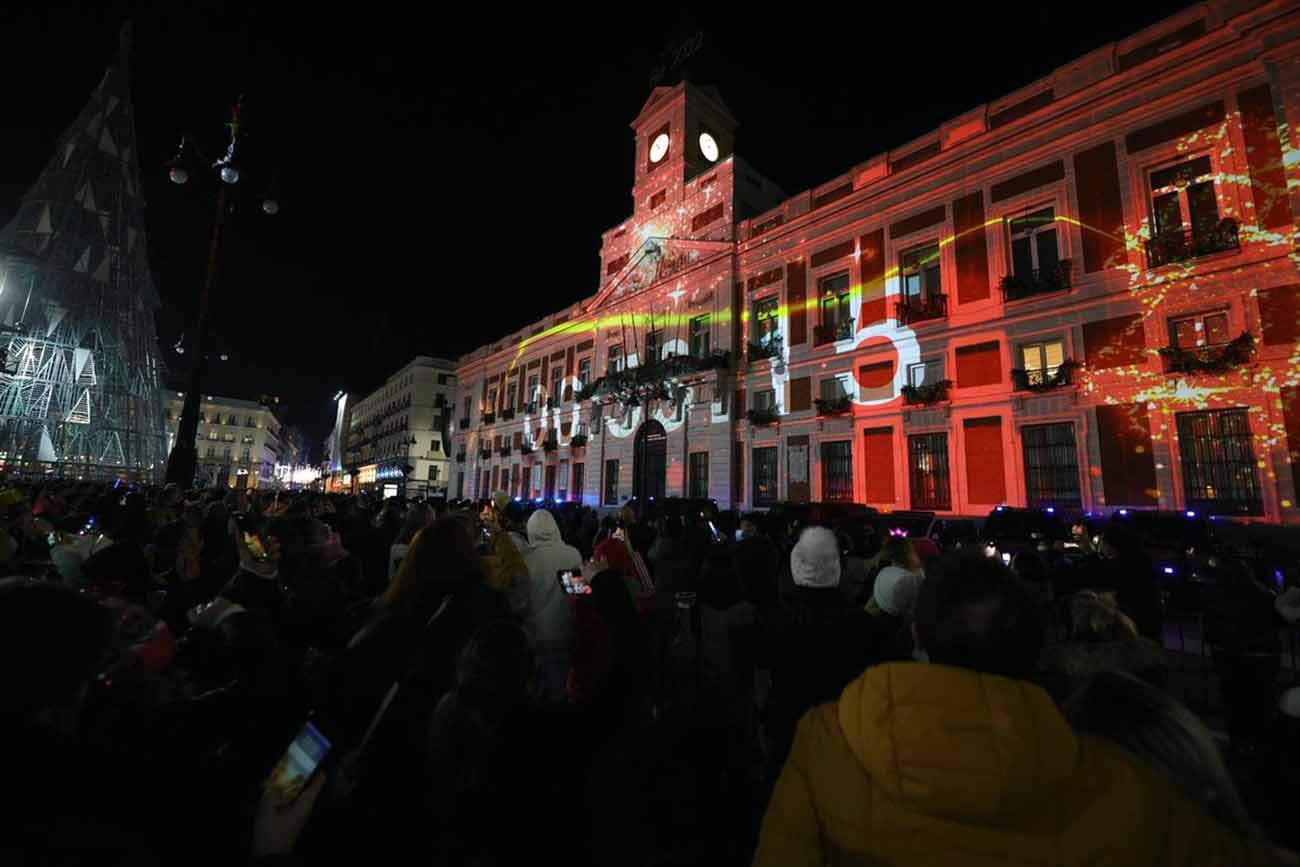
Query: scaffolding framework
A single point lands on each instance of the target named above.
(80, 393)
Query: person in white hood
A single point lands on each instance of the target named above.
(548, 616)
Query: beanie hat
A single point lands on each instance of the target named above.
(896, 591)
(815, 560)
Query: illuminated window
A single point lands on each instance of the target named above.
(212, 435)
(1033, 243)
(1203, 329)
(212, 451)
(765, 476)
(615, 359)
(919, 273)
(837, 323)
(927, 458)
(767, 321)
(1218, 462)
(1185, 213)
(765, 399)
(927, 372)
(837, 471)
(835, 387)
(584, 373)
(1042, 360)
(700, 337)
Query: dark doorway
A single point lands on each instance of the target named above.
(650, 461)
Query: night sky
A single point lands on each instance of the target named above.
(445, 179)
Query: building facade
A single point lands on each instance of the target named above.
(1082, 295)
(238, 442)
(397, 436)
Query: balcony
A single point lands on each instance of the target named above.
(485, 454)
(578, 441)
(550, 444)
(530, 407)
(507, 413)
(926, 395)
(1183, 245)
(761, 417)
(921, 309)
(1040, 281)
(552, 403)
(460, 457)
(489, 417)
(526, 448)
(834, 405)
(1045, 379)
(767, 347)
(1219, 358)
(831, 331)
(463, 424)
(504, 451)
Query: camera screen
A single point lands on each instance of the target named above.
(572, 582)
(299, 762)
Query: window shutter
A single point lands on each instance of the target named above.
(1264, 155)
(876, 381)
(980, 364)
(1128, 467)
(872, 260)
(796, 297)
(878, 458)
(970, 248)
(985, 472)
(800, 394)
(1114, 342)
(1101, 213)
(1279, 314)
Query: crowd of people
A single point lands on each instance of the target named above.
(484, 683)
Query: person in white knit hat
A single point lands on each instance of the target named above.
(815, 560)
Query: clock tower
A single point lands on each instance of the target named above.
(681, 132)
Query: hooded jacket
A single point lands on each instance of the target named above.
(548, 616)
(920, 764)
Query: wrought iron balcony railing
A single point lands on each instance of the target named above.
(504, 451)
(840, 329)
(1219, 358)
(766, 347)
(489, 417)
(464, 423)
(834, 405)
(577, 441)
(761, 417)
(550, 444)
(1040, 281)
(1182, 245)
(552, 403)
(485, 454)
(921, 309)
(926, 395)
(460, 457)
(507, 413)
(1045, 379)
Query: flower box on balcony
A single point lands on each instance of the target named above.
(460, 457)
(464, 423)
(552, 403)
(530, 407)
(578, 441)
(489, 417)
(926, 395)
(526, 449)
(921, 309)
(504, 451)
(1040, 281)
(761, 416)
(1045, 379)
(485, 454)
(1183, 245)
(550, 445)
(834, 405)
(507, 414)
(832, 331)
(1217, 359)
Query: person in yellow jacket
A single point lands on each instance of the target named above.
(961, 760)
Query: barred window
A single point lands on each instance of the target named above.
(1051, 465)
(927, 457)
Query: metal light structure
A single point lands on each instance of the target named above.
(81, 395)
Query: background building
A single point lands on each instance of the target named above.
(238, 442)
(397, 436)
(79, 392)
(1083, 294)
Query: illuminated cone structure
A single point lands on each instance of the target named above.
(79, 395)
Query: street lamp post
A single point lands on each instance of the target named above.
(183, 460)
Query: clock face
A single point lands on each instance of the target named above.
(659, 147)
(708, 147)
